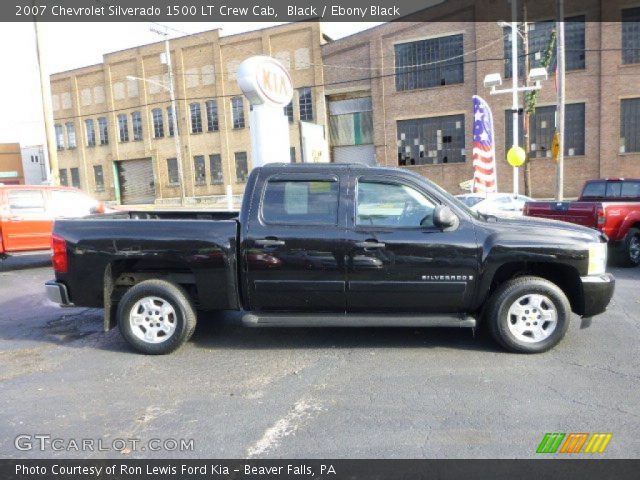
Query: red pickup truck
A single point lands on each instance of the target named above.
(609, 205)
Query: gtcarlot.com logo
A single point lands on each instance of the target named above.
(574, 443)
(46, 442)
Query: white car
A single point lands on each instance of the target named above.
(506, 205)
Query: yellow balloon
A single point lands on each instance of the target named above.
(516, 156)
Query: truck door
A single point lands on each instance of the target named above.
(294, 248)
(398, 260)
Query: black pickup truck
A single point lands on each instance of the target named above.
(333, 245)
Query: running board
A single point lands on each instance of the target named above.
(356, 320)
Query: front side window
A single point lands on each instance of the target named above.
(196, 118)
(301, 202)
(158, 123)
(199, 169)
(242, 168)
(392, 205)
(59, 137)
(429, 63)
(427, 141)
(91, 132)
(215, 164)
(237, 110)
(71, 134)
(172, 171)
(212, 116)
(75, 177)
(123, 127)
(104, 131)
(305, 104)
(136, 121)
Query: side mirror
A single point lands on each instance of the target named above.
(443, 217)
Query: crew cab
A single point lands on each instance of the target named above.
(332, 245)
(27, 213)
(611, 206)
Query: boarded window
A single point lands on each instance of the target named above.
(199, 170)
(172, 171)
(215, 165)
(98, 175)
(242, 168)
(630, 125)
(433, 140)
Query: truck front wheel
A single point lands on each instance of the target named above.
(156, 317)
(631, 253)
(528, 315)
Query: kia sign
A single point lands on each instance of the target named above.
(264, 80)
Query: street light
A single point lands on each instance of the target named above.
(494, 80)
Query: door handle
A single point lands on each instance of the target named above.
(370, 244)
(270, 242)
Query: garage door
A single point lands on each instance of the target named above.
(136, 181)
(365, 154)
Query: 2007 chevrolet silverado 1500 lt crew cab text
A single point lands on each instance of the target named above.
(333, 245)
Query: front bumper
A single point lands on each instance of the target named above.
(57, 292)
(597, 291)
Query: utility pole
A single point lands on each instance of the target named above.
(47, 112)
(514, 76)
(527, 113)
(174, 110)
(561, 101)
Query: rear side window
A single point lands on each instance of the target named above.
(301, 202)
(594, 189)
(631, 189)
(26, 201)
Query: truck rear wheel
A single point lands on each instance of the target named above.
(156, 317)
(528, 315)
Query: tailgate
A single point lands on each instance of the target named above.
(580, 213)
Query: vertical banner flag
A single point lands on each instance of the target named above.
(485, 179)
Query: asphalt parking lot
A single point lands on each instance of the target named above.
(307, 393)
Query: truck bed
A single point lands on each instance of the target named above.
(579, 213)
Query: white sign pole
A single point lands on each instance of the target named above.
(267, 85)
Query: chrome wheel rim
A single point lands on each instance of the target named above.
(153, 320)
(532, 318)
(634, 249)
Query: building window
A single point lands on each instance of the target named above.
(75, 177)
(543, 128)
(172, 171)
(104, 131)
(429, 63)
(539, 37)
(237, 110)
(196, 118)
(242, 169)
(91, 132)
(64, 179)
(158, 123)
(427, 141)
(212, 116)
(59, 137)
(215, 164)
(288, 111)
(292, 154)
(170, 120)
(71, 134)
(98, 175)
(299, 202)
(136, 121)
(630, 125)
(200, 170)
(123, 127)
(631, 35)
(305, 104)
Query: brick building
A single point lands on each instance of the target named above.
(11, 172)
(386, 107)
(114, 132)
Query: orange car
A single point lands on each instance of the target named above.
(27, 213)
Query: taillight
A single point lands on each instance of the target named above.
(601, 217)
(525, 210)
(60, 259)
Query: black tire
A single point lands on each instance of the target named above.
(507, 294)
(629, 256)
(183, 317)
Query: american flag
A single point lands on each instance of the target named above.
(484, 151)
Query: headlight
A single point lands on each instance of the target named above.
(597, 258)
